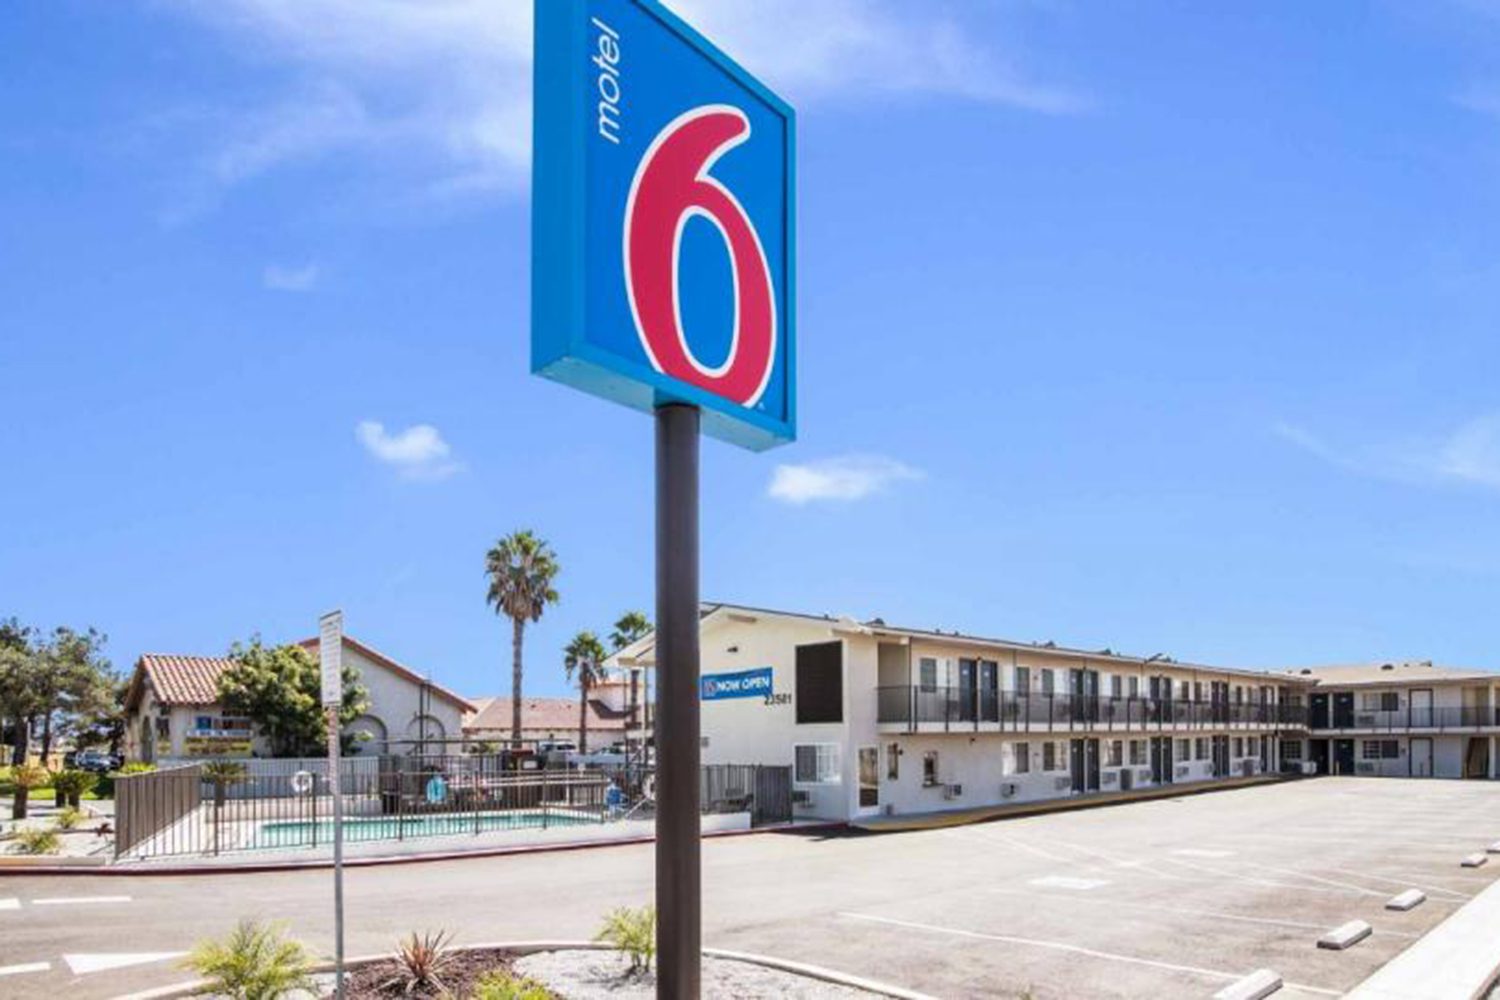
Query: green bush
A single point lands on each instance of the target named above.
(70, 818)
(632, 932)
(74, 785)
(39, 841)
(106, 788)
(503, 985)
(255, 962)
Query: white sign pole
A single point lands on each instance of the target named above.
(331, 662)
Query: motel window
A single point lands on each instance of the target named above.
(205, 723)
(1378, 749)
(929, 674)
(1048, 680)
(1197, 690)
(1239, 746)
(1291, 749)
(1182, 691)
(820, 682)
(929, 768)
(1135, 687)
(1115, 682)
(1200, 750)
(1137, 751)
(1049, 756)
(893, 762)
(1184, 748)
(817, 763)
(1239, 695)
(1023, 680)
(1023, 758)
(1114, 753)
(1252, 746)
(1380, 701)
(163, 727)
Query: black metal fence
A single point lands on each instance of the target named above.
(213, 810)
(1415, 717)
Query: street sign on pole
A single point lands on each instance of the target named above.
(331, 665)
(663, 277)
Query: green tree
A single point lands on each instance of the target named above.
(521, 568)
(279, 688)
(584, 658)
(20, 684)
(630, 626)
(78, 683)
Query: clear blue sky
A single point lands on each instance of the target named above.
(1164, 326)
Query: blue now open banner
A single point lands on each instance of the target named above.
(741, 684)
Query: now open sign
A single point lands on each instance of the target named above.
(741, 684)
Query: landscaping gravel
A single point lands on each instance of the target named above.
(604, 975)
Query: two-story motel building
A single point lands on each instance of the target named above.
(880, 720)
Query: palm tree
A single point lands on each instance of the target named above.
(630, 627)
(521, 568)
(584, 656)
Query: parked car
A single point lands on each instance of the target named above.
(97, 761)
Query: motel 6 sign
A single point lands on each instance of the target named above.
(663, 260)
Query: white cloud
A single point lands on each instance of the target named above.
(1469, 454)
(419, 452)
(444, 86)
(279, 278)
(847, 477)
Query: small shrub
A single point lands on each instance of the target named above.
(106, 786)
(254, 962)
(503, 985)
(74, 785)
(632, 932)
(70, 818)
(39, 841)
(26, 778)
(421, 962)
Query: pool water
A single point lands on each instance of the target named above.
(307, 833)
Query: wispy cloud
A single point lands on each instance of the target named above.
(844, 478)
(279, 278)
(444, 86)
(1468, 454)
(419, 452)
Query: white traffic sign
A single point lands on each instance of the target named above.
(331, 656)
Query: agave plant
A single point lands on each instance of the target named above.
(421, 962)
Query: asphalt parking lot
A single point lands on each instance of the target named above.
(1168, 898)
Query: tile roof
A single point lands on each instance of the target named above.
(541, 714)
(184, 680)
(401, 670)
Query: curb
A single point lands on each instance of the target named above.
(149, 869)
(521, 948)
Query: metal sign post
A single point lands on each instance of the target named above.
(331, 663)
(678, 872)
(655, 158)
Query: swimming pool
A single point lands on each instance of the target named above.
(307, 833)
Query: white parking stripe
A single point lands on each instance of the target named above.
(84, 964)
(10, 904)
(79, 900)
(16, 970)
(1077, 950)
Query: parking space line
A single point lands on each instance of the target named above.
(1407, 882)
(1316, 878)
(1076, 950)
(1135, 863)
(10, 904)
(1252, 880)
(1190, 911)
(16, 970)
(79, 900)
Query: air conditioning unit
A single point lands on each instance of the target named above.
(1110, 777)
(952, 791)
(1182, 770)
(1062, 784)
(1144, 774)
(1309, 767)
(800, 797)
(1008, 789)
(1364, 768)
(1364, 720)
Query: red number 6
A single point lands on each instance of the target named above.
(671, 186)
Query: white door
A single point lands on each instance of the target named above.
(1421, 755)
(1421, 708)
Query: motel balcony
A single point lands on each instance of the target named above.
(1418, 718)
(915, 709)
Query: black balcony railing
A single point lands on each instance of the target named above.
(968, 707)
(1411, 717)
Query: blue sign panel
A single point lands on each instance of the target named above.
(741, 684)
(663, 220)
